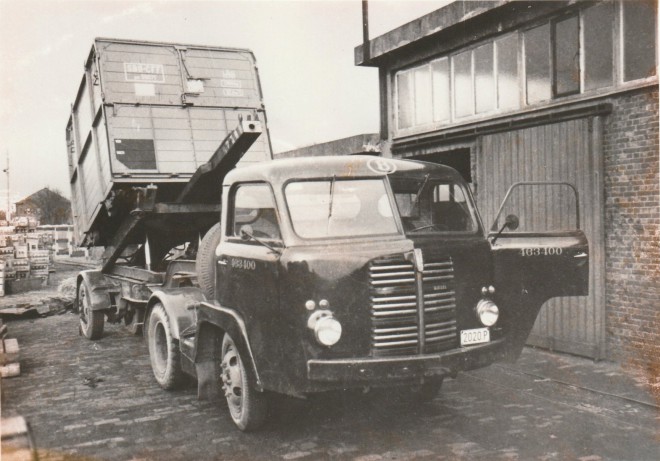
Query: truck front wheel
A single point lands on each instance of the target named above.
(91, 321)
(247, 406)
(163, 350)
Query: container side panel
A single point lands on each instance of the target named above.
(83, 114)
(97, 96)
(140, 73)
(89, 167)
(71, 147)
(221, 78)
(131, 139)
(77, 208)
(104, 157)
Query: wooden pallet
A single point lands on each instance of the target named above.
(17, 442)
(9, 356)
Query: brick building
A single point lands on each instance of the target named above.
(46, 205)
(508, 91)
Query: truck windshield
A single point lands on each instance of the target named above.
(428, 205)
(340, 208)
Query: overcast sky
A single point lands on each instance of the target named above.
(312, 90)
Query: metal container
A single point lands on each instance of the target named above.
(152, 113)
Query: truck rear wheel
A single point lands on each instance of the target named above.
(205, 261)
(247, 406)
(164, 350)
(91, 321)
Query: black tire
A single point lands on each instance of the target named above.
(247, 406)
(164, 351)
(205, 261)
(91, 321)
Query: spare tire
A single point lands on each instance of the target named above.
(205, 261)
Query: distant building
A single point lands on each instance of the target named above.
(508, 91)
(366, 144)
(47, 206)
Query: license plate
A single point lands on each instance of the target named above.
(475, 336)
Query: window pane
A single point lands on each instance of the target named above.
(484, 81)
(404, 95)
(463, 90)
(598, 24)
(567, 56)
(638, 39)
(430, 207)
(254, 211)
(537, 64)
(441, 105)
(423, 98)
(340, 208)
(507, 72)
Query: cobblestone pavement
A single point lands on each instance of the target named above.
(99, 400)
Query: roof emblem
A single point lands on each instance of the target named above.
(381, 166)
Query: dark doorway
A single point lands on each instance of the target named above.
(458, 159)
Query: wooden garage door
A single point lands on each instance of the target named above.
(567, 151)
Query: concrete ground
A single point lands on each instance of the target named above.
(98, 400)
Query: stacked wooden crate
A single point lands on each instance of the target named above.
(25, 259)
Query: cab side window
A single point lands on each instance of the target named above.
(254, 211)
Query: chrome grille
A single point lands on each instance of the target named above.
(439, 305)
(395, 310)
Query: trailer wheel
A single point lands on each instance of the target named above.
(247, 406)
(164, 350)
(91, 321)
(205, 261)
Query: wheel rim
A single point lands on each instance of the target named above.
(83, 307)
(160, 347)
(233, 380)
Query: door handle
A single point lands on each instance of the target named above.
(222, 262)
(581, 254)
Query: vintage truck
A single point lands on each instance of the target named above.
(318, 274)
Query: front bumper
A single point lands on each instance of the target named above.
(384, 370)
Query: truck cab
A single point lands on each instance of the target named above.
(359, 272)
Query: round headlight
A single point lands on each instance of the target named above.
(327, 331)
(488, 312)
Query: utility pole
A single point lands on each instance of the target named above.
(6, 170)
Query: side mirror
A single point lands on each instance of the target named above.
(511, 222)
(246, 232)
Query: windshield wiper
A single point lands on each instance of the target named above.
(421, 188)
(246, 235)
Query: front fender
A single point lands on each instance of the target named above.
(178, 303)
(213, 321)
(98, 286)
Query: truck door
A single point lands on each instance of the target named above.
(247, 261)
(538, 254)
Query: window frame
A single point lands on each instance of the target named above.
(231, 213)
(553, 54)
(581, 92)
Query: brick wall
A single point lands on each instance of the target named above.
(632, 226)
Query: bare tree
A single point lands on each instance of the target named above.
(53, 208)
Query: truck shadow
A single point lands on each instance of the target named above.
(388, 409)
